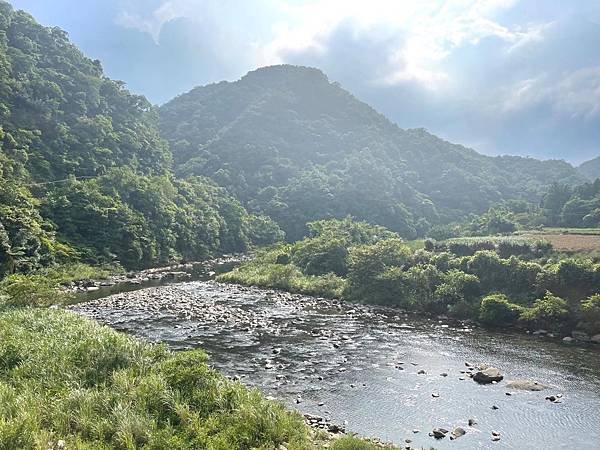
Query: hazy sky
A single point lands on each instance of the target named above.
(501, 76)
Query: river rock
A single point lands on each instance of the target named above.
(439, 433)
(526, 385)
(487, 375)
(458, 432)
(595, 339)
(581, 336)
(568, 339)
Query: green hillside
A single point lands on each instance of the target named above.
(62, 118)
(292, 144)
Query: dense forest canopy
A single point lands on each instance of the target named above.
(84, 173)
(291, 144)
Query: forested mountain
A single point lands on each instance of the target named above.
(61, 118)
(591, 168)
(292, 144)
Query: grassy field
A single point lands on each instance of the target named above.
(67, 382)
(568, 240)
(571, 243)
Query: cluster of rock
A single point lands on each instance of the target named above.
(582, 336)
(484, 374)
(323, 423)
(576, 336)
(175, 272)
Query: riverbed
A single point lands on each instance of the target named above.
(362, 366)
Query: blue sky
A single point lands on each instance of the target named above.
(501, 76)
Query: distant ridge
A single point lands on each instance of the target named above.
(591, 168)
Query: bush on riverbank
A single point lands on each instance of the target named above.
(484, 286)
(40, 288)
(66, 378)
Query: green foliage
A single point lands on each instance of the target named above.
(458, 292)
(547, 312)
(590, 314)
(287, 277)
(573, 207)
(505, 246)
(571, 278)
(352, 443)
(352, 231)
(26, 242)
(108, 390)
(497, 310)
(61, 116)
(321, 255)
(141, 221)
(390, 272)
(41, 288)
(84, 174)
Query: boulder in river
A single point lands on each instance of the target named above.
(526, 385)
(595, 339)
(458, 432)
(568, 339)
(439, 433)
(487, 375)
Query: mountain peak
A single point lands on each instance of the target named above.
(285, 73)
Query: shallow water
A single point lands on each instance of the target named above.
(347, 358)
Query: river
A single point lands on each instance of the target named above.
(359, 365)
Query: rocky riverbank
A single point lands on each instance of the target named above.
(312, 353)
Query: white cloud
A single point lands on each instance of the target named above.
(151, 21)
(431, 29)
(575, 94)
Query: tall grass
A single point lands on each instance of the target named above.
(286, 277)
(67, 382)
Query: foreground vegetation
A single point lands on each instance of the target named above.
(498, 281)
(67, 382)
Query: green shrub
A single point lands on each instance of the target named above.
(352, 231)
(590, 314)
(458, 288)
(496, 309)
(548, 312)
(41, 288)
(321, 255)
(367, 261)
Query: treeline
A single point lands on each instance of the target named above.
(526, 288)
(562, 205)
(84, 174)
(569, 206)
